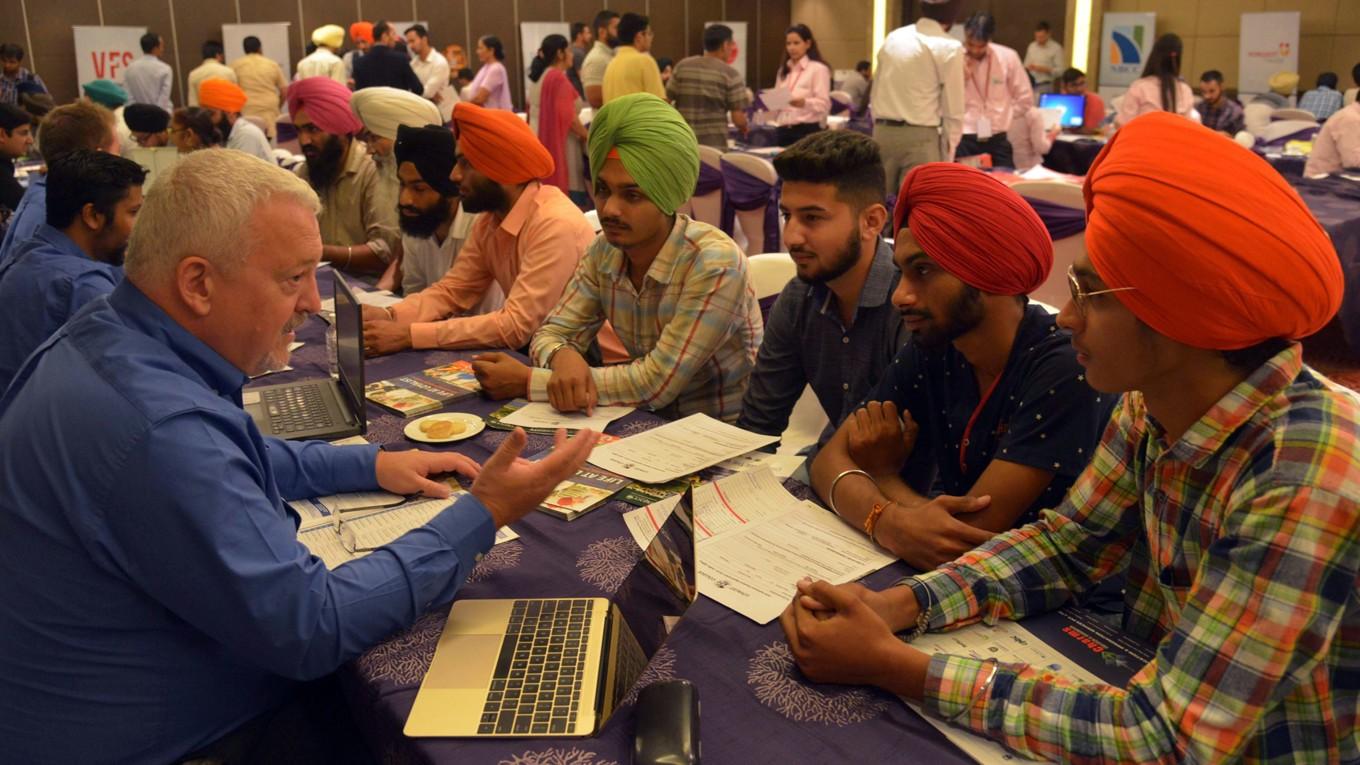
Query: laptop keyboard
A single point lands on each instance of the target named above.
(536, 688)
(297, 408)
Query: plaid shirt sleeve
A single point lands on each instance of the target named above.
(577, 317)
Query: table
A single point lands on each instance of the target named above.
(1073, 157)
(1335, 202)
(756, 706)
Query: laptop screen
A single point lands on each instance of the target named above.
(349, 346)
(655, 594)
(1073, 107)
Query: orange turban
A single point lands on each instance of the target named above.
(326, 103)
(500, 145)
(975, 227)
(1219, 248)
(221, 94)
(361, 30)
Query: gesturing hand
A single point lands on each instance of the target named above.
(511, 487)
(879, 441)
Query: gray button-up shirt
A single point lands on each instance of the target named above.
(148, 81)
(806, 344)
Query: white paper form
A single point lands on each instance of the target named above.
(755, 570)
(541, 415)
(644, 522)
(337, 541)
(719, 507)
(677, 449)
(782, 465)
(776, 98)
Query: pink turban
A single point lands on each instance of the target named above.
(326, 102)
(975, 227)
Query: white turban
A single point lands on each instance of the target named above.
(382, 110)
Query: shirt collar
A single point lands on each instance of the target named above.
(930, 27)
(520, 212)
(145, 316)
(1211, 431)
(355, 159)
(878, 285)
(59, 240)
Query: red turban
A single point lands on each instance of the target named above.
(1221, 251)
(975, 227)
(326, 102)
(500, 145)
(221, 94)
(361, 30)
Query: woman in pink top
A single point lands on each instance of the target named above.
(1160, 89)
(491, 86)
(559, 128)
(807, 77)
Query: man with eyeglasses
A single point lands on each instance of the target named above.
(984, 417)
(1226, 484)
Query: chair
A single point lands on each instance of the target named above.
(770, 272)
(1256, 117)
(1281, 129)
(1057, 192)
(708, 208)
(1066, 251)
(593, 217)
(1293, 114)
(749, 230)
(842, 98)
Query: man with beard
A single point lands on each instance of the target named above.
(225, 101)
(73, 258)
(145, 541)
(833, 326)
(358, 229)
(676, 291)
(429, 210)
(601, 53)
(528, 241)
(382, 110)
(987, 396)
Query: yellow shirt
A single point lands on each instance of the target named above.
(354, 208)
(264, 84)
(632, 71)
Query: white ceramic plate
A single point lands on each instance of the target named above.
(472, 425)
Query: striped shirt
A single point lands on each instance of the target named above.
(692, 330)
(1241, 542)
(705, 90)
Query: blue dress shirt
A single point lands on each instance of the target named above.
(155, 595)
(31, 213)
(41, 287)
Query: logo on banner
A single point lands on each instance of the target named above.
(1126, 46)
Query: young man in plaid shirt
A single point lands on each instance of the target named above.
(1227, 481)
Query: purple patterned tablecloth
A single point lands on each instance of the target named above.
(756, 705)
(1335, 202)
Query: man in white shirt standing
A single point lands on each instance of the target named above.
(148, 78)
(432, 69)
(917, 93)
(324, 61)
(1044, 58)
(995, 90)
(212, 68)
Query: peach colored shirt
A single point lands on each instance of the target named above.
(1337, 146)
(531, 254)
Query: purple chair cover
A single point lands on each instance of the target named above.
(1307, 134)
(1060, 220)
(837, 107)
(743, 191)
(767, 303)
(710, 180)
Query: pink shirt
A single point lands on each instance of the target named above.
(996, 87)
(1337, 145)
(531, 255)
(809, 80)
(1145, 95)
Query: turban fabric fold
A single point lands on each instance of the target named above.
(654, 143)
(975, 227)
(106, 93)
(1220, 250)
(500, 145)
(146, 118)
(383, 110)
(221, 94)
(330, 35)
(361, 30)
(326, 103)
(431, 149)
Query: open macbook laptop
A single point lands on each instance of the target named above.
(556, 666)
(320, 408)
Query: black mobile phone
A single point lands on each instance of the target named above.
(667, 724)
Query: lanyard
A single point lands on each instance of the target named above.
(972, 80)
(968, 431)
(798, 75)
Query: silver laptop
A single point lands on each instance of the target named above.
(322, 407)
(556, 666)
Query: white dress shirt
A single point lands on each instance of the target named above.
(1050, 55)
(919, 79)
(433, 71)
(322, 63)
(148, 82)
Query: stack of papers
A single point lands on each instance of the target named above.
(341, 539)
(541, 415)
(677, 449)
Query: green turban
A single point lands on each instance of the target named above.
(655, 144)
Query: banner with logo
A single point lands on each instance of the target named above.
(1125, 41)
(738, 60)
(1269, 44)
(104, 53)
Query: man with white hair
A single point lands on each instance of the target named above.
(382, 110)
(149, 557)
(324, 61)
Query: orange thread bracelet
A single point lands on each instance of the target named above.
(871, 522)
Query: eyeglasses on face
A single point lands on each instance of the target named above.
(1080, 296)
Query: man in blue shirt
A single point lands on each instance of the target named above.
(81, 125)
(833, 326)
(73, 258)
(987, 396)
(156, 597)
(1324, 100)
